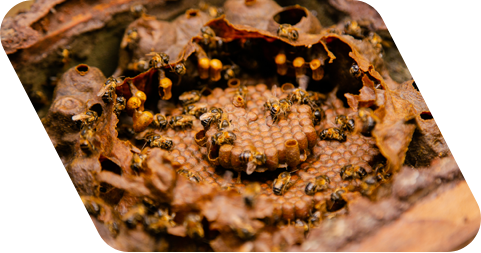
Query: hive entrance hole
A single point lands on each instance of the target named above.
(82, 69)
(33, 144)
(426, 115)
(475, 145)
(423, 85)
(290, 16)
(467, 95)
(97, 108)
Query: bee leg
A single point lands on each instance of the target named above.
(239, 181)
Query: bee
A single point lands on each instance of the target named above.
(86, 139)
(190, 97)
(134, 216)
(224, 121)
(288, 32)
(332, 134)
(180, 69)
(337, 199)
(132, 38)
(282, 183)
(230, 71)
(380, 173)
(140, 65)
(193, 226)
(252, 160)
(157, 141)
(355, 71)
(92, 204)
(223, 137)
(240, 95)
(119, 106)
(242, 229)
(276, 108)
(137, 161)
(353, 28)
(302, 224)
(210, 117)
(299, 95)
(368, 120)
(65, 55)
(345, 124)
(87, 119)
(375, 40)
(159, 222)
(209, 38)
(318, 114)
(196, 109)
(160, 121)
(369, 185)
(137, 10)
(251, 191)
(107, 92)
(320, 183)
(316, 98)
(213, 12)
(190, 175)
(159, 60)
(182, 121)
(475, 18)
(349, 172)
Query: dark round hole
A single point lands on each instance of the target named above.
(82, 69)
(423, 85)
(33, 144)
(290, 16)
(192, 13)
(475, 145)
(97, 108)
(426, 115)
(467, 95)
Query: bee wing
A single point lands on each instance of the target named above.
(274, 89)
(80, 117)
(251, 167)
(103, 90)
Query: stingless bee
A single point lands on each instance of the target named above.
(318, 114)
(160, 121)
(302, 224)
(368, 120)
(190, 97)
(224, 121)
(299, 95)
(252, 160)
(209, 38)
(282, 183)
(137, 10)
(134, 216)
(223, 137)
(210, 117)
(475, 18)
(337, 198)
(277, 107)
(190, 175)
(349, 172)
(180, 69)
(137, 161)
(316, 98)
(319, 183)
(196, 109)
(251, 191)
(119, 105)
(193, 226)
(380, 173)
(132, 38)
(159, 222)
(344, 123)
(355, 71)
(288, 32)
(181, 121)
(86, 139)
(93, 205)
(158, 60)
(242, 229)
(87, 119)
(140, 65)
(157, 141)
(108, 90)
(369, 185)
(332, 134)
(230, 71)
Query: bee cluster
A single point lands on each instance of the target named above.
(225, 138)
